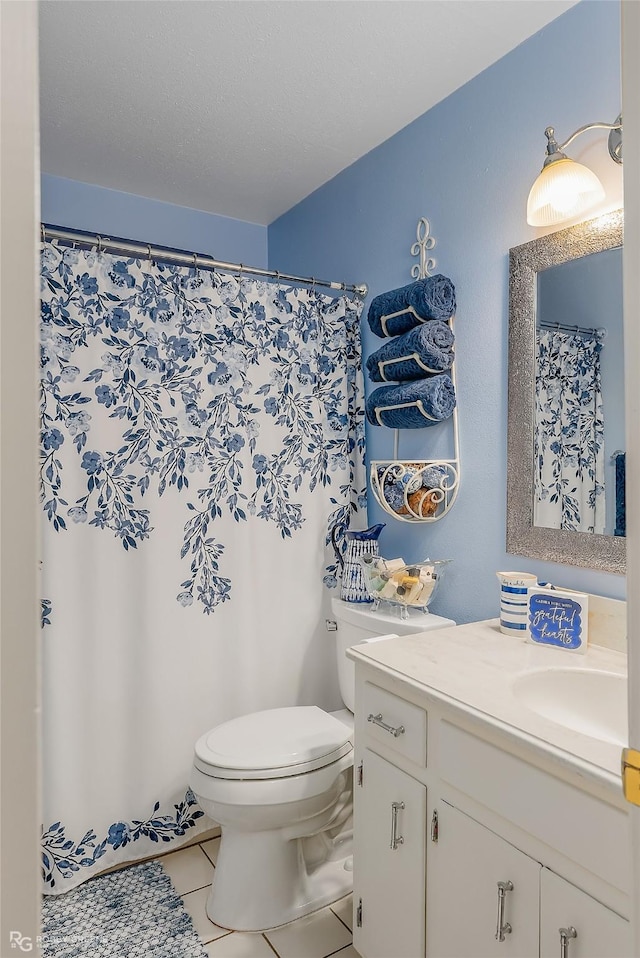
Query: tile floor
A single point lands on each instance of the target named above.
(326, 932)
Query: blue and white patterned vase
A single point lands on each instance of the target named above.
(353, 587)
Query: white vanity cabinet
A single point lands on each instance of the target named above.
(389, 861)
(390, 809)
(512, 906)
(531, 838)
(492, 888)
(565, 909)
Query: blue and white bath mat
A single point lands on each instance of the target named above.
(133, 913)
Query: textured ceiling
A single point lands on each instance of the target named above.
(244, 107)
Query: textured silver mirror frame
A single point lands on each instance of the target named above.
(604, 553)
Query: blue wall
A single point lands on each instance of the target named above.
(112, 213)
(467, 165)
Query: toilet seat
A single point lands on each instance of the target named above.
(275, 743)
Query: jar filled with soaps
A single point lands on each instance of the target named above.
(402, 585)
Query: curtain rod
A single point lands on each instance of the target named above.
(598, 331)
(181, 258)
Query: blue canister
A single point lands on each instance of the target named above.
(514, 588)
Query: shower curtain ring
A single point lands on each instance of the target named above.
(99, 244)
(195, 260)
(240, 274)
(278, 278)
(44, 235)
(149, 251)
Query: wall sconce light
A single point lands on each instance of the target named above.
(565, 189)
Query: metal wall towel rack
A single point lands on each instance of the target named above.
(140, 250)
(420, 504)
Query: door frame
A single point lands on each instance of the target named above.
(19, 509)
(631, 301)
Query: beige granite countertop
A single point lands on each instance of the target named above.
(473, 667)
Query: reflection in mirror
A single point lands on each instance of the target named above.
(568, 380)
(579, 396)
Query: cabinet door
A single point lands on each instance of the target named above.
(389, 882)
(600, 933)
(465, 868)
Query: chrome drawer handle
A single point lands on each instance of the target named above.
(395, 838)
(377, 720)
(565, 935)
(503, 927)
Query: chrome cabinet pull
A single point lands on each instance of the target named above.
(395, 838)
(377, 720)
(503, 927)
(434, 826)
(565, 935)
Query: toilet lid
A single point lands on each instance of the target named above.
(273, 744)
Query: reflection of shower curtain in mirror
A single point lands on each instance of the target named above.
(200, 434)
(569, 433)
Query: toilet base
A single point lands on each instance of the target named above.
(283, 883)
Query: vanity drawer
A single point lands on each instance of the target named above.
(580, 826)
(396, 724)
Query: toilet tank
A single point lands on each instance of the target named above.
(357, 621)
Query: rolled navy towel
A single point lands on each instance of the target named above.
(427, 349)
(399, 310)
(412, 405)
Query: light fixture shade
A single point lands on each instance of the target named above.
(563, 189)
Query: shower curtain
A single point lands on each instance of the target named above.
(201, 435)
(569, 433)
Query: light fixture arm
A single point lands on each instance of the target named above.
(555, 150)
(590, 126)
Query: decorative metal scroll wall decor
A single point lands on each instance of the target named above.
(421, 502)
(602, 552)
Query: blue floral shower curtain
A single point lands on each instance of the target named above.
(201, 434)
(569, 433)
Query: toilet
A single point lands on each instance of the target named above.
(279, 783)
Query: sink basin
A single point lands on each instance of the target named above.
(588, 701)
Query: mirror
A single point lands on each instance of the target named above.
(558, 283)
(580, 385)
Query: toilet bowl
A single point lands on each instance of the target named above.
(271, 779)
(279, 783)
